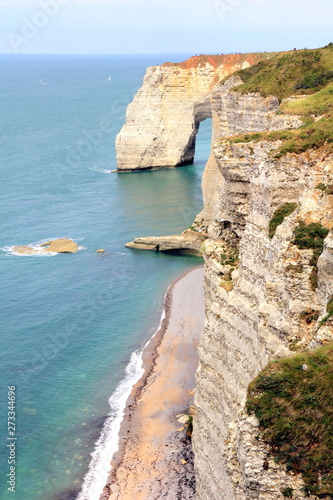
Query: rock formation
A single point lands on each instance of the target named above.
(164, 117)
(163, 120)
(189, 242)
(62, 245)
(258, 289)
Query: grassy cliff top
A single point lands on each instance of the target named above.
(307, 74)
(285, 74)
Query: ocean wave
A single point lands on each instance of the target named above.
(108, 442)
(99, 170)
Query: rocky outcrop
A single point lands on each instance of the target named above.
(189, 242)
(62, 245)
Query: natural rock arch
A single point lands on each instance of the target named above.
(163, 120)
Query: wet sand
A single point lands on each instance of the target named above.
(155, 458)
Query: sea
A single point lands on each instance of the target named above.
(73, 325)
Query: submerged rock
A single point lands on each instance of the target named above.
(24, 250)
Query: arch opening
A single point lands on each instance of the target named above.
(201, 112)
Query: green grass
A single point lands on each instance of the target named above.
(309, 316)
(311, 135)
(324, 188)
(287, 73)
(287, 492)
(293, 401)
(302, 72)
(279, 215)
(329, 310)
(316, 104)
(311, 236)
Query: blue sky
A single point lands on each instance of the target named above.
(162, 26)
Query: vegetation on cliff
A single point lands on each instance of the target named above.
(293, 401)
(279, 215)
(329, 310)
(311, 236)
(307, 76)
(288, 73)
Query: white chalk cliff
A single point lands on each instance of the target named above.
(164, 117)
(256, 287)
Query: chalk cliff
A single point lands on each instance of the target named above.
(257, 287)
(164, 117)
(254, 310)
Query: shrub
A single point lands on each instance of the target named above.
(315, 80)
(287, 492)
(311, 236)
(309, 316)
(326, 189)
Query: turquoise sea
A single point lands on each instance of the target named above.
(70, 323)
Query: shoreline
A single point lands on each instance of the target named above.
(132, 435)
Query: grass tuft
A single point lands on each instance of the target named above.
(309, 316)
(329, 310)
(279, 215)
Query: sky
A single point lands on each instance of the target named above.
(162, 26)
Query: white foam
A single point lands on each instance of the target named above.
(99, 170)
(38, 252)
(108, 442)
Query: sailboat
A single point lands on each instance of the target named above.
(109, 79)
(41, 81)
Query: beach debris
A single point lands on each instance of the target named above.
(100, 250)
(182, 418)
(193, 410)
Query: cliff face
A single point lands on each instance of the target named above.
(234, 114)
(255, 314)
(257, 288)
(164, 117)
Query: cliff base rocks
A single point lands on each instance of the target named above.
(189, 242)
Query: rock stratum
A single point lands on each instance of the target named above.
(259, 288)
